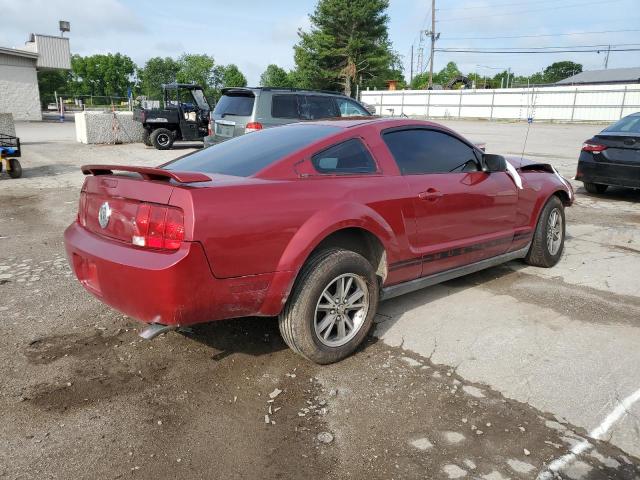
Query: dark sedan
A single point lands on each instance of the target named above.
(612, 157)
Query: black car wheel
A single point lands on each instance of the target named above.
(15, 169)
(548, 239)
(162, 138)
(331, 307)
(146, 138)
(595, 187)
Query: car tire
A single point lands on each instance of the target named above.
(308, 324)
(162, 138)
(548, 239)
(15, 169)
(146, 138)
(595, 187)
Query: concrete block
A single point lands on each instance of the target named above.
(7, 127)
(109, 127)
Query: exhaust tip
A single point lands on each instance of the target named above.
(155, 329)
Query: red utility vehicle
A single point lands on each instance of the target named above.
(312, 222)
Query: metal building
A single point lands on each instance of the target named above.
(609, 76)
(19, 94)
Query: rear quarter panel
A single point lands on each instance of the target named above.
(273, 225)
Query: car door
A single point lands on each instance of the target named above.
(462, 213)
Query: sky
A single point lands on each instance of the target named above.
(253, 34)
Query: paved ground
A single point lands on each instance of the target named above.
(492, 376)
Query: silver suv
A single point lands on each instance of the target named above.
(244, 110)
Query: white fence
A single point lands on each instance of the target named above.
(565, 104)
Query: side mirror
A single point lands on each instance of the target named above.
(494, 163)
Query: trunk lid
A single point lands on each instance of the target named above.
(232, 113)
(623, 148)
(119, 197)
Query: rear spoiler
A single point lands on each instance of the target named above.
(148, 173)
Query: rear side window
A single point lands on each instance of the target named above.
(248, 154)
(429, 151)
(284, 106)
(237, 104)
(349, 108)
(314, 107)
(347, 157)
(629, 124)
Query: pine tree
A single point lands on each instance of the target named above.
(348, 41)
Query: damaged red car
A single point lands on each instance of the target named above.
(314, 223)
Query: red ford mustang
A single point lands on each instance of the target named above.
(312, 222)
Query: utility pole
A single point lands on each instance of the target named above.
(411, 77)
(433, 41)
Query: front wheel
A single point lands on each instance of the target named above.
(15, 169)
(548, 239)
(146, 138)
(595, 187)
(331, 308)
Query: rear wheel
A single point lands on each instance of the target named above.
(162, 138)
(332, 305)
(548, 239)
(15, 169)
(595, 187)
(146, 138)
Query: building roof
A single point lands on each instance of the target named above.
(612, 75)
(18, 53)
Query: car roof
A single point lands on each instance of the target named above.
(384, 122)
(281, 89)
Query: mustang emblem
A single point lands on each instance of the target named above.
(104, 214)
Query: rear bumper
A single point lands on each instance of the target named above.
(174, 288)
(608, 173)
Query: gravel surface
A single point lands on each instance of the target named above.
(439, 392)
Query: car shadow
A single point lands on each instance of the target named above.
(42, 171)
(614, 193)
(249, 335)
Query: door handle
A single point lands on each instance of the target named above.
(430, 195)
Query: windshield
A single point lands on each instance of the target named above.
(246, 155)
(630, 124)
(200, 99)
(237, 104)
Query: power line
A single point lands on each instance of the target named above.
(498, 5)
(541, 35)
(551, 48)
(535, 51)
(524, 11)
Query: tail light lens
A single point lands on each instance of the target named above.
(593, 147)
(210, 129)
(82, 209)
(253, 127)
(158, 227)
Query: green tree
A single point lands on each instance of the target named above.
(102, 75)
(448, 73)
(560, 70)
(274, 76)
(51, 82)
(348, 40)
(156, 72)
(198, 69)
(233, 77)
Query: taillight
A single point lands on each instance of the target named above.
(593, 147)
(158, 227)
(210, 130)
(253, 127)
(82, 209)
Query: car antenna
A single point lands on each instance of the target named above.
(531, 107)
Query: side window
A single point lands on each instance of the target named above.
(346, 157)
(285, 106)
(314, 107)
(349, 108)
(429, 151)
